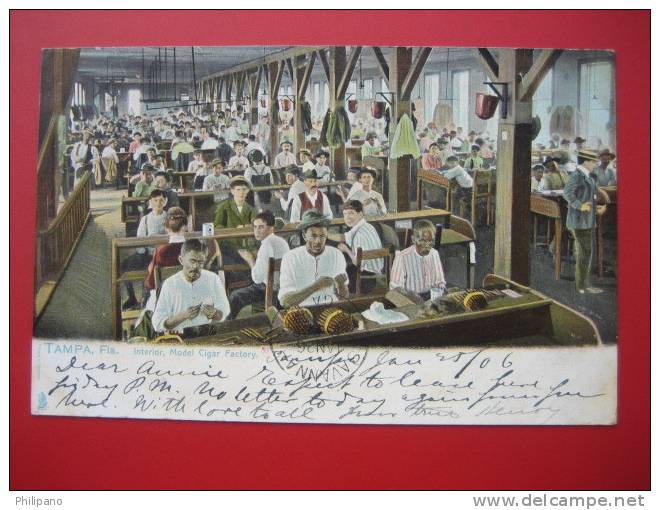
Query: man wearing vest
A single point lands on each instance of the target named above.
(580, 193)
(311, 198)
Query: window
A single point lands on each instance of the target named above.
(107, 102)
(431, 95)
(134, 106)
(78, 94)
(460, 98)
(316, 98)
(368, 89)
(326, 98)
(542, 106)
(597, 102)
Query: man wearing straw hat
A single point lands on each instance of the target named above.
(313, 274)
(580, 193)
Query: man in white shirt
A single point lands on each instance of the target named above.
(193, 296)
(238, 161)
(253, 145)
(284, 158)
(311, 198)
(209, 143)
(322, 169)
(455, 171)
(418, 269)
(272, 246)
(297, 187)
(361, 235)
(313, 274)
(306, 160)
(445, 149)
(233, 134)
(373, 202)
(82, 155)
(217, 182)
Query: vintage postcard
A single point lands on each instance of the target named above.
(327, 234)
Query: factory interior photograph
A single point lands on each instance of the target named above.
(364, 194)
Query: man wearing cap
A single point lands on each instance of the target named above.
(580, 193)
(605, 174)
(146, 183)
(306, 160)
(311, 198)
(369, 147)
(372, 201)
(272, 246)
(217, 182)
(322, 170)
(162, 181)
(292, 177)
(285, 157)
(361, 235)
(474, 161)
(238, 161)
(313, 274)
(235, 212)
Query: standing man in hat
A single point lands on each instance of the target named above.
(580, 193)
(372, 201)
(285, 157)
(313, 274)
(369, 147)
(311, 198)
(605, 174)
(238, 162)
(292, 178)
(306, 160)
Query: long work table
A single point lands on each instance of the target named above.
(455, 232)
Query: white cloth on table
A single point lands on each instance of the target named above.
(377, 313)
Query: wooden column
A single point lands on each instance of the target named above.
(303, 71)
(255, 83)
(337, 61)
(399, 169)
(275, 70)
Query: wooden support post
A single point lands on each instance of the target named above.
(255, 83)
(337, 64)
(399, 169)
(298, 83)
(275, 70)
(514, 156)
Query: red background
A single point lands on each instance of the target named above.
(85, 453)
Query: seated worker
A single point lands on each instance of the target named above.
(445, 149)
(167, 254)
(311, 198)
(238, 162)
(554, 178)
(253, 145)
(373, 202)
(259, 175)
(162, 182)
(353, 178)
(537, 176)
(322, 170)
(418, 269)
(145, 185)
(432, 160)
(285, 157)
(474, 161)
(217, 182)
(193, 296)
(361, 235)
(313, 274)
(272, 246)
(198, 165)
(235, 212)
(463, 179)
(369, 147)
(224, 151)
(151, 224)
(306, 160)
(605, 172)
(296, 187)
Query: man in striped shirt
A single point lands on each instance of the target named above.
(361, 235)
(418, 269)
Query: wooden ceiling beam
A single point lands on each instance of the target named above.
(488, 62)
(537, 72)
(323, 56)
(348, 71)
(304, 82)
(382, 64)
(414, 72)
